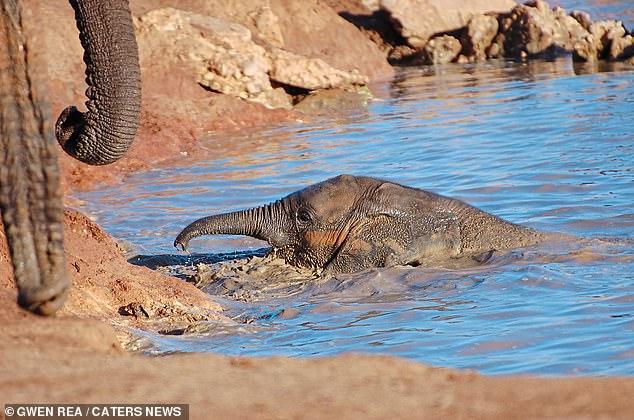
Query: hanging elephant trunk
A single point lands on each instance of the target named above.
(30, 192)
(103, 133)
(263, 223)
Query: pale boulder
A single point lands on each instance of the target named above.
(419, 20)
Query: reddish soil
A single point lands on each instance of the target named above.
(104, 282)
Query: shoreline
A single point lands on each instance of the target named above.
(78, 356)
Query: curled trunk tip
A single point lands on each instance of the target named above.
(181, 242)
(103, 133)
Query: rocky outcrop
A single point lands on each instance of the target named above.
(221, 55)
(226, 58)
(267, 26)
(500, 29)
(419, 20)
(477, 36)
(313, 29)
(310, 73)
(605, 40)
(534, 29)
(309, 28)
(621, 48)
(531, 30)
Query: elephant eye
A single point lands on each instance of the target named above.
(303, 216)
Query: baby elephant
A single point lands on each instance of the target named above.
(349, 223)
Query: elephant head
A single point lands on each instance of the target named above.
(30, 193)
(307, 228)
(349, 223)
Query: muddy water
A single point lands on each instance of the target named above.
(545, 144)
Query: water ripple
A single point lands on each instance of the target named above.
(531, 142)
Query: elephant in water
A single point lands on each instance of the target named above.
(30, 193)
(349, 223)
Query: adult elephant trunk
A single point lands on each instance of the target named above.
(265, 223)
(30, 193)
(106, 130)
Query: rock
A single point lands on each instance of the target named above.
(308, 28)
(477, 37)
(585, 49)
(576, 31)
(222, 54)
(604, 33)
(442, 49)
(401, 54)
(268, 27)
(533, 29)
(607, 30)
(582, 43)
(134, 309)
(312, 29)
(334, 101)
(622, 48)
(371, 4)
(529, 30)
(419, 20)
(203, 274)
(605, 39)
(310, 73)
(227, 59)
(375, 24)
(583, 18)
(496, 50)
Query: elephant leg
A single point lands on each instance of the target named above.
(30, 192)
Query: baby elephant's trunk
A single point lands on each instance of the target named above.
(261, 223)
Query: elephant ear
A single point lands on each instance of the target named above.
(432, 228)
(395, 200)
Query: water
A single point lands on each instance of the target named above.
(601, 9)
(536, 143)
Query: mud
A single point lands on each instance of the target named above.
(246, 277)
(260, 275)
(107, 288)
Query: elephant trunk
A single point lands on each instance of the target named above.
(263, 223)
(106, 130)
(30, 192)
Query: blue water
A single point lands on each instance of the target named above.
(543, 144)
(622, 10)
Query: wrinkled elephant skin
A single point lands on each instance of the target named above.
(30, 194)
(349, 223)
